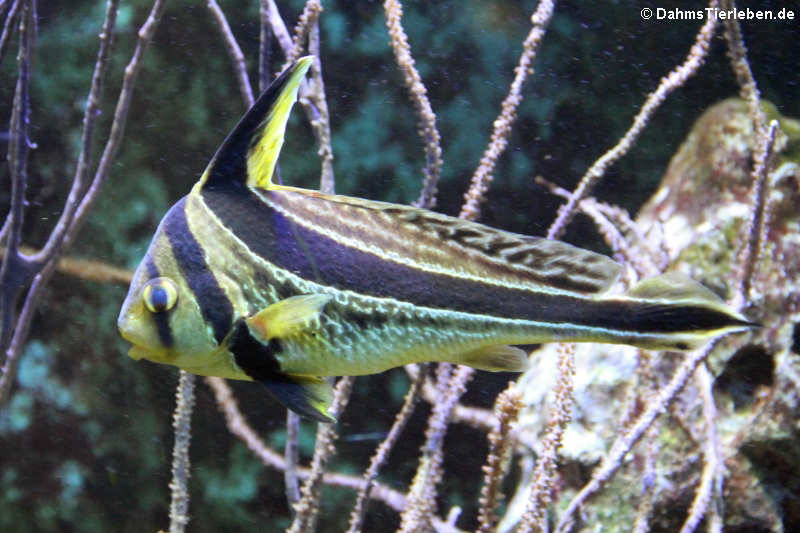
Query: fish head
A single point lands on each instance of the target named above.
(160, 316)
(177, 310)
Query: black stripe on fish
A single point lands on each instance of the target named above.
(255, 358)
(161, 319)
(317, 257)
(214, 304)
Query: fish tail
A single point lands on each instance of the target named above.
(670, 312)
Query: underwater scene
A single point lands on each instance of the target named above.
(451, 266)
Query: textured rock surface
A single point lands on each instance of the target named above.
(699, 214)
(697, 220)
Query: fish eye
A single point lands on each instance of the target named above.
(160, 294)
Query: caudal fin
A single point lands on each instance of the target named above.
(674, 312)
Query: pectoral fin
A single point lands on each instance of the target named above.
(307, 396)
(288, 317)
(496, 359)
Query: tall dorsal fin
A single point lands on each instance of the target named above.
(248, 154)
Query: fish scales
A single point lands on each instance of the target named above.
(460, 248)
(246, 279)
(359, 334)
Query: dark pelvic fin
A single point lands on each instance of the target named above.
(307, 396)
(248, 154)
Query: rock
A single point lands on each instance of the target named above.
(698, 218)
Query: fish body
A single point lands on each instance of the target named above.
(250, 280)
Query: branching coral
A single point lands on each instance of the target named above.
(507, 407)
(418, 93)
(182, 423)
(33, 272)
(669, 83)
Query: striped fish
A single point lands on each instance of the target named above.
(246, 279)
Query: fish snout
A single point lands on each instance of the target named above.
(132, 331)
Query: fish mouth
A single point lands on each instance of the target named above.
(139, 350)
(136, 353)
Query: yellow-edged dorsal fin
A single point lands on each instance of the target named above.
(249, 153)
(496, 359)
(288, 317)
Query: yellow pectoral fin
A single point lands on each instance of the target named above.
(496, 359)
(307, 396)
(288, 317)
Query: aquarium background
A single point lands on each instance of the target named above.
(86, 436)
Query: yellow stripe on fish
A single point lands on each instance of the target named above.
(246, 279)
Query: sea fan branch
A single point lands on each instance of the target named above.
(308, 508)
(613, 459)
(264, 46)
(709, 492)
(669, 83)
(316, 104)
(419, 96)
(737, 52)
(759, 217)
(477, 417)
(81, 198)
(8, 26)
(291, 454)
(241, 429)
(507, 407)
(502, 125)
(312, 93)
(15, 271)
(535, 517)
(422, 494)
(765, 134)
(308, 18)
(609, 221)
(182, 424)
(234, 51)
(382, 454)
(273, 17)
(645, 508)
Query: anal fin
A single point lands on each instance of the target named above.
(500, 358)
(307, 396)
